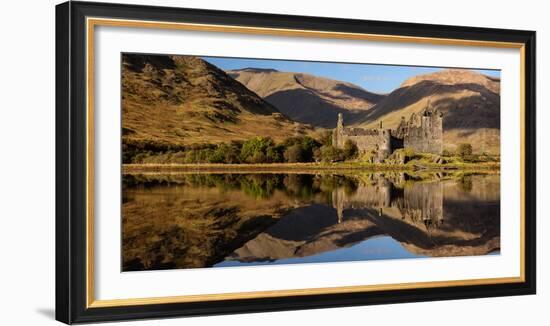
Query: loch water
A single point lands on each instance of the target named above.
(196, 220)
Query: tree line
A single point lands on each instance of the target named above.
(301, 149)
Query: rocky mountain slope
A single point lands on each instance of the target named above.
(308, 99)
(170, 101)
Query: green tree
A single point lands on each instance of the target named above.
(464, 150)
(178, 157)
(290, 141)
(317, 155)
(294, 154)
(258, 157)
(232, 155)
(308, 147)
(274, 154)
(253, 147)
(218, 155)
(326, 138)
(205, 154)
(190, 156)
(350, 150)
(447, 153)
(307, 143)
(331, 154)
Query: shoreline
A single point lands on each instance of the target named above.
(303, 168)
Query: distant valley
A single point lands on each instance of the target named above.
(306, 98)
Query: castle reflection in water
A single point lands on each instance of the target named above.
(206, 220)
(418, 203)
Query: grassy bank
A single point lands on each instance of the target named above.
(302, 167)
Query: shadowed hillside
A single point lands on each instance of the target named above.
(469, 101)
(171, 101)
(306, 98)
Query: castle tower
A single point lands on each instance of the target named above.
(425, 131)
(340, 124)
(432, 129)
(384, 143)
(338, 132)
(437, 131)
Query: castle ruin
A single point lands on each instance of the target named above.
(423, 133)
(421, 202)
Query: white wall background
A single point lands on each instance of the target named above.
(27, 161)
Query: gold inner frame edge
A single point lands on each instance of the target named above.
(92, 22)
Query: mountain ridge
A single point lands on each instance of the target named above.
(307, 98)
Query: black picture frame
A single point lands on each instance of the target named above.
(71, 158)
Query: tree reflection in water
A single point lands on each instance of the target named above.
(202, 220)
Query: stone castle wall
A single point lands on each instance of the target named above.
(427, 137)
(423, 133)
(378, 141)
(374, 141)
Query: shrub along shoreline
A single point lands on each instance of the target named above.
(314, 153)
(302, 149)
(303, 167)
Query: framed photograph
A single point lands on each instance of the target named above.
(213, 162)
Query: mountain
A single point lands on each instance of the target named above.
(170, 101)
(308, 99)
(469, 101)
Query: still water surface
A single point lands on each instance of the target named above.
(234, 219)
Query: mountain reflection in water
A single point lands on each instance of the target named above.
(204, 220)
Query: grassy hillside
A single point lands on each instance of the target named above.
(171, 101)
(469, 101)
(306, 98)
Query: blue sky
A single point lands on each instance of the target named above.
(374, 78)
